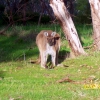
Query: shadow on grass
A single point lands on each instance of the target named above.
(2, 74)
(63, 55)
(15, 47)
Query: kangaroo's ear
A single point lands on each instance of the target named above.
(45, 33)
(53, 34)
(57, 36)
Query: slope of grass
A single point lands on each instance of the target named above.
(21, 80)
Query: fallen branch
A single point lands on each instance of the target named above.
(67, 79)
(88, 47)
(3, 31)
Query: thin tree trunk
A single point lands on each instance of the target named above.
(3, 31)
(10, 17)
(39, 21)
(67, 25)
(95, 14)
(24, 13)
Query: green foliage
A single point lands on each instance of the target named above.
(81, 4)
(21, 80)
(85, 33)
(83, 12)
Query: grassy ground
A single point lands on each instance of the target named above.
(20, 80)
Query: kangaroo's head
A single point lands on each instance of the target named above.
(51, 37)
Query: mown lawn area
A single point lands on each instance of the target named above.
(75, 79)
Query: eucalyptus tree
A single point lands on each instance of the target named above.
(68, 27)
(95, 14)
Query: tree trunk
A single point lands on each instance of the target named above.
(95, 14)
(24, 14)
(10, 15)
(67, 25)
(42, 7)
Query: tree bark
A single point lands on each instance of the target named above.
(95, 14)
(68, 27)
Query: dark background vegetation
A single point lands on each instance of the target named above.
(24, 19)
(39, 11)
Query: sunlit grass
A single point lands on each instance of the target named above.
(21, 80)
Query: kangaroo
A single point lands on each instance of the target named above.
(48, 43)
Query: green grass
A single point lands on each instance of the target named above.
(21, 80)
